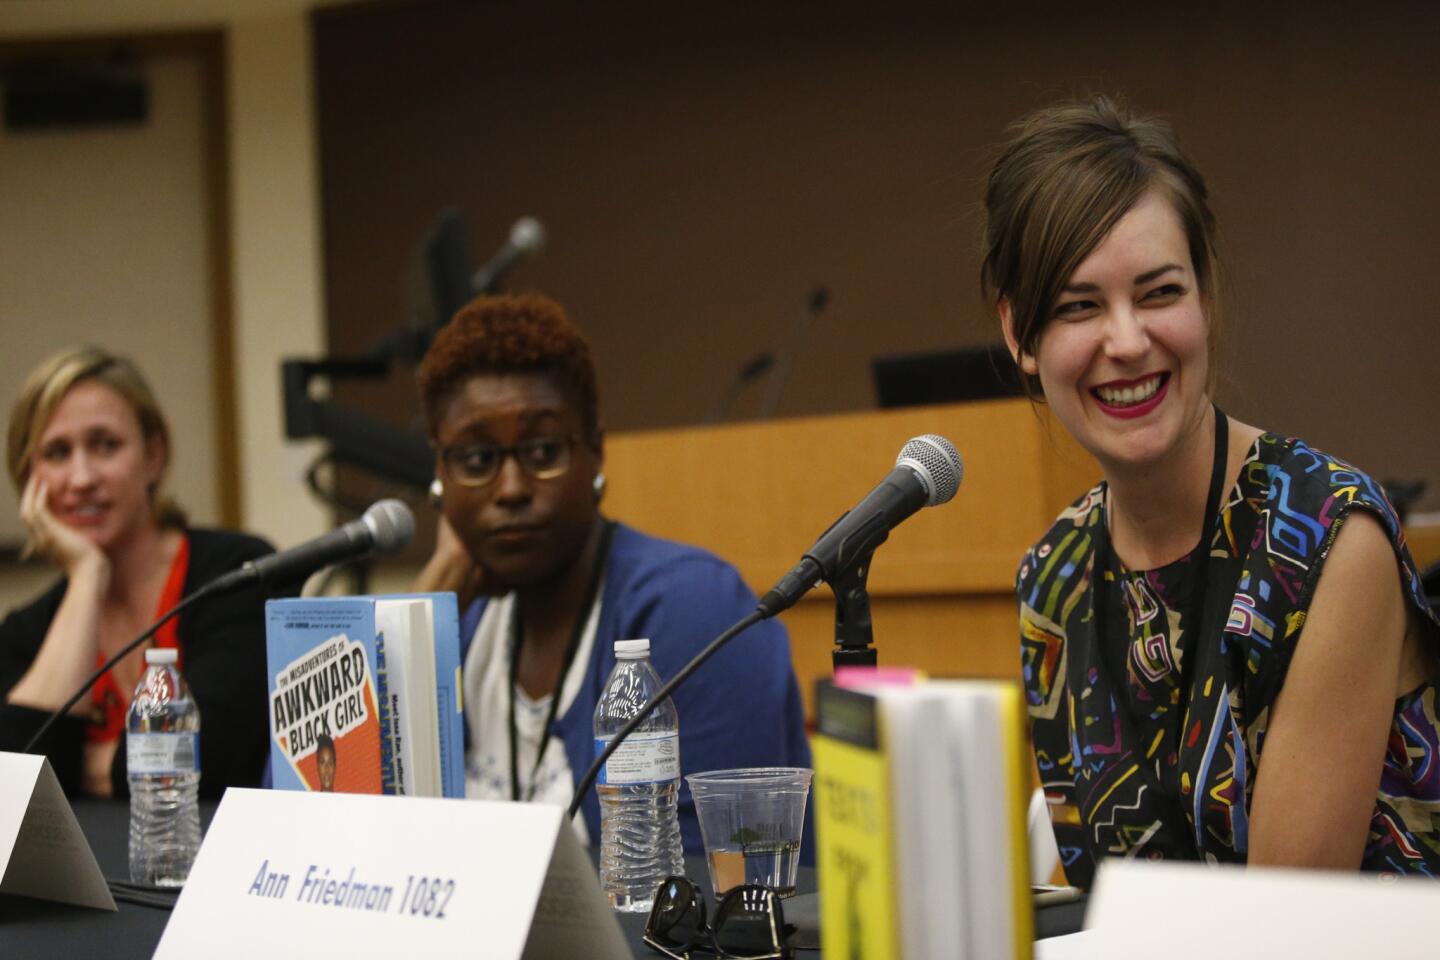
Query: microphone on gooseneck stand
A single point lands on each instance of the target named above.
(927, 473)
(756, 367)
(752, 370)
(386, 527)
(815, 305)
(527, 237)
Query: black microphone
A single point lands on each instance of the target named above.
(527, 236)
(385, 528)
(927, 473)
(754, 368)
(815, 304)
(818, 300)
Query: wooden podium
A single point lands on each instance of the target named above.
(941, 588)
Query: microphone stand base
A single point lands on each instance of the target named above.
(853, 634)
(853, 658)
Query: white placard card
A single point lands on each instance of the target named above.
(290, 873)
(1144, 910)
(42, 851)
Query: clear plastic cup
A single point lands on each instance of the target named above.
(752, 820)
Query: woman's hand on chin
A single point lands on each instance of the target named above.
(450, 567)
(62, 545)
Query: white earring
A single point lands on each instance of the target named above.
(437, 492)
(598, 485)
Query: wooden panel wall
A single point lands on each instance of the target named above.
(941, 586)
(701, 166)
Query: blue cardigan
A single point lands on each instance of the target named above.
(741, 709)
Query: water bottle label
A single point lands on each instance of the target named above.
(162, 753)
(641, 759)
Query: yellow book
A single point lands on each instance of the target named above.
(855, 856)
(921, 794)
(1016, 752)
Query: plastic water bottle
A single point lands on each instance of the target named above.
(639, 786)
(162, 753)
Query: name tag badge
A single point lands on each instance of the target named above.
(43, 853)
(294, 872)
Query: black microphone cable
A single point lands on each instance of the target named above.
(936, 464)
(204, 591)
(143, 894)
(385, 528)
(587, 781)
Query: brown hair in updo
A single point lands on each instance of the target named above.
(1063, 180)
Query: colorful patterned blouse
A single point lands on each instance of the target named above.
(1161, 763)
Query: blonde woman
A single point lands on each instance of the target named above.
(88, 449)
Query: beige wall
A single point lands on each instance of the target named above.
(275, 239)
(106, 241)
(264, 297)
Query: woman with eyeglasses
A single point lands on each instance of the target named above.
(547, 584)
(1226, 651)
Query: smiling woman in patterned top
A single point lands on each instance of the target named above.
(1226, 651)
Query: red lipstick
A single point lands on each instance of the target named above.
(1134, 410)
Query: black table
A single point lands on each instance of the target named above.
(38, 928)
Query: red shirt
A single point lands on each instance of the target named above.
(109, 702)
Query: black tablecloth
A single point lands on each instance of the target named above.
(37, 928)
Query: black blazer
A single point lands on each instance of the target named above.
(222, 640)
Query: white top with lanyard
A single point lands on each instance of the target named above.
(487, 673)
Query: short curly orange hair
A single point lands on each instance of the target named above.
(522, 333)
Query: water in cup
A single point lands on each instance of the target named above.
(770, 863)
(752, 820)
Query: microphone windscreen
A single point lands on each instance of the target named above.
(937, 462)
(392, 524)
(527, 235)
(819, 299)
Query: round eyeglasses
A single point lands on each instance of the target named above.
(478, 464)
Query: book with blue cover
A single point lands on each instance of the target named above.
(449, 704)
(364, 694)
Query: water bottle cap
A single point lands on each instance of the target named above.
(632, 649)
(162, 655)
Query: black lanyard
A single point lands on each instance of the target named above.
(1196, 607)
(517, 635)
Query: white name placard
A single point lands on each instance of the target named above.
(291, 873)
(1141, 909)
(43, 853)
